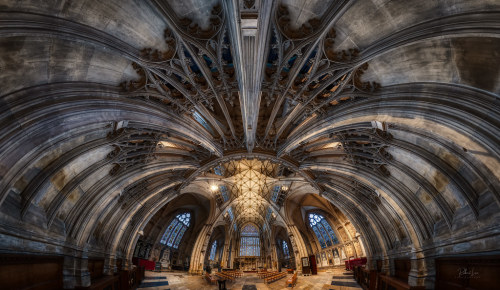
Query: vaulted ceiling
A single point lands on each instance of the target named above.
(389, 110)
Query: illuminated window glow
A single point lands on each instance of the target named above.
(224, 192)
(275, 193)
(322, 230)
(268, 214)
(286, 252)
(174, 232)
(213, 250)
(219, 170)
(202, 121)
(250, 241)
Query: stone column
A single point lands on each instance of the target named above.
(198, 253)
(225, 253)
(299, 246)
(422, 272)
(233, 253)
(371, 263)
(75, 270)
(127, 264)
(110, 265)
(274, 256)
(387, 266)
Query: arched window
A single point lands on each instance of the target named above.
(286, 252)
(250, 242)
(173, 235)
(213, 250)
(322, 230)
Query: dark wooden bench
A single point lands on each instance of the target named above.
(224, 276)
(267, 274)
(291, 281)
(105, 283)
(31, 272)
(210, 279)
(233, 273)
(387, 282)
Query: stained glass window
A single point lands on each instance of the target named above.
(224, 192)
(202, 121)
(250, 241)
(213, 250)
(250, 230)
(330, 231)
(268, 214)
(320, 237)
(322, 230)
(174, 232)
(219, 170)
(286, 252)
(275, 192)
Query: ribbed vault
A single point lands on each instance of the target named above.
(383, 116)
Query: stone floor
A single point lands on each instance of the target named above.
(335, 279)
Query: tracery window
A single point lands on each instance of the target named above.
(219, 170)
(224, 193)
(202, 121)
(286, 252)
(213, 250)
(268, 214)
(275, 193)
(178, 226)
(322, 230)
(250, 242)
(231, 215)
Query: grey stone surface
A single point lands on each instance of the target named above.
(382, 116)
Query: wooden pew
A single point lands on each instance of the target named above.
(387, 282)
(479, 272)
(291, 281)
(224, 276)
(210, 279)
(233, 273)
(105, 283)
(130, 279)
(98, 279)
(275, 277)
(267, 274)
(367, 279)
(31, 272)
